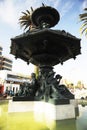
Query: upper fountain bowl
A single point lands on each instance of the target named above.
(45, 15)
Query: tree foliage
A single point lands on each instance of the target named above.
(83, 18)
(25, 20)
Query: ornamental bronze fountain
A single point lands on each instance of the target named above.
(45, 48)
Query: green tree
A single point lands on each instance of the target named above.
(83, 18)
(25, 20)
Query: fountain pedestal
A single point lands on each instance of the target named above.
(54, 117)
(64, 110)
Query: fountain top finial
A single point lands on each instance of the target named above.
(45, 17)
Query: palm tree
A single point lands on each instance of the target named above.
(25, 20)
(83, 18)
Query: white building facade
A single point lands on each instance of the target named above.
(11, 81)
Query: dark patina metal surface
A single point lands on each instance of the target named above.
(45, 48)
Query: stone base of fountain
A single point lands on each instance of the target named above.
(46, 110)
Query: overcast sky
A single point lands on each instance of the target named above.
(10, 11)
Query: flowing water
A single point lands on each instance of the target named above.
(26, 121)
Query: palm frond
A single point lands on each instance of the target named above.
(24, 13)
(83, 18)
(25, 20)
(24, 17)
(83, 30)
(28, 11)
(26, 26)
(85, 9)
(83, 15)
(32, 9)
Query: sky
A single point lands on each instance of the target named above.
(10, 11)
